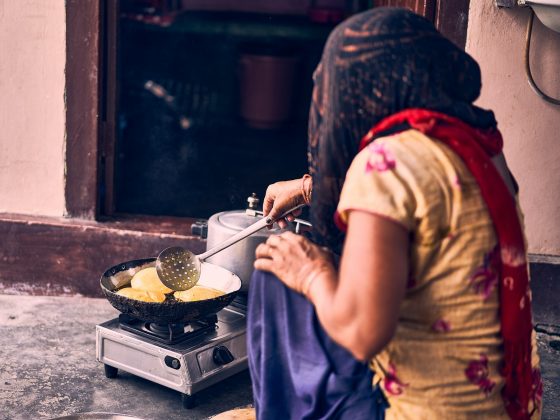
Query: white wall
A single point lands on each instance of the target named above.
(531, 127)
(32, 115)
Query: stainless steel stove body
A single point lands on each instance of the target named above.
(187, 358)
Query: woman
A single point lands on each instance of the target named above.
(432, 288)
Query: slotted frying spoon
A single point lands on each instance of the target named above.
(179, 269)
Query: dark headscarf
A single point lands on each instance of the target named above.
(376, 64)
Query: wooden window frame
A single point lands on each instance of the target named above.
(449, 16)
(83, 106)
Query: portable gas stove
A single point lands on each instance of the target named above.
(185, 357)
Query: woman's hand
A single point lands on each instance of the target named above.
(295, 260)
(284, 195)
(359, 304)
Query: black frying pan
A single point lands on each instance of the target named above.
(170, 311)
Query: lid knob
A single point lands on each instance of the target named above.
(253, 202)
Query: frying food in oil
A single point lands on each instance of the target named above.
(198, 293)
(147, 287)
(143, 295)
(148, 280)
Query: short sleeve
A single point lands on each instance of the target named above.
(380, 181)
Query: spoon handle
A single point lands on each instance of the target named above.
(255, 227)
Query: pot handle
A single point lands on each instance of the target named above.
(200, 228)
(255, 227)
(298, 222)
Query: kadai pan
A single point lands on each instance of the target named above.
(171, 311)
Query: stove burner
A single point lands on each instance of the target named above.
(165, 330)
(168, 333)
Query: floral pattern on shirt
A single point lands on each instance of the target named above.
(380, 158)
(441, 325)
(485, 279)
(391, 383)
(477, 373)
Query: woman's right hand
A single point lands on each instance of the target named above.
(281, 197)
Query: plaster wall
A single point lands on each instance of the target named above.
(32, 112)
(32, 115)
(531, 126)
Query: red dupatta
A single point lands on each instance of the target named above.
(475, 147)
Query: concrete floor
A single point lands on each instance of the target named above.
(48, 367)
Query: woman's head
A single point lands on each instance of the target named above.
(375, 64)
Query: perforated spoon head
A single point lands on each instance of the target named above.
(178, 268)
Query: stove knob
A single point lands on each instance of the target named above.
(172, 362)
(222, 356)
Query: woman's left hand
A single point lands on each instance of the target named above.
(295, 260)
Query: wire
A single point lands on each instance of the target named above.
(532, 82)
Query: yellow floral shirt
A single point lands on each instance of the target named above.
(443, 362)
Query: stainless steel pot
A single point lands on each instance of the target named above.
(239, 258)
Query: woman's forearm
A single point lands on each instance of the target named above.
(342, 321)
(359, 306)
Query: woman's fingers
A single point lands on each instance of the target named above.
(267, 206)
(264, 261)
(281, 205)
(277, 249)
(292, 237)
(281, 196)
(273, 240)
(277, 244)
(282, 223)
(290, 257)
(264, 264)
(263, 251)
(268, 202)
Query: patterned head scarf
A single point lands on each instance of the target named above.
(376, 64)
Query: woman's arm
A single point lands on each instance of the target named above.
(360, 306)
(361, 310)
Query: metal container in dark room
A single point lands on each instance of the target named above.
(266, 88)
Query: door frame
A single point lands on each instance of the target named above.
(84, 98)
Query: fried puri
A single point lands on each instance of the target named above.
(143, 295)
(148, 280)
(198, 293)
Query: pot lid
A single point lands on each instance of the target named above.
(238, 220)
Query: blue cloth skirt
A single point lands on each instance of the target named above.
(297, 371)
